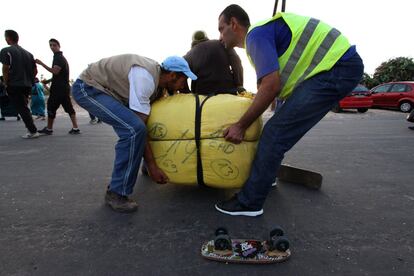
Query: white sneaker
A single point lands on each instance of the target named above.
(274, 184)
(93, 121)
(31, 135)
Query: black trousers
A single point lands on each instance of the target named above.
(19, 96)
(59, 95)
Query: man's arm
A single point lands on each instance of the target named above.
(141, 86)
(34, 69)
(5, 71)
(269, 88)
(155, 172)
(236, 66)
(54, 70)
(46, 81)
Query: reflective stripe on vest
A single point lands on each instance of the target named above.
(321, 52)
(315, 47)
(298, 50)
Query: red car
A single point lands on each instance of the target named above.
(358, 99)
(394, 95)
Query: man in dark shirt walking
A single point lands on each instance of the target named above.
(219, 70)
(59, 90)
(19, 71)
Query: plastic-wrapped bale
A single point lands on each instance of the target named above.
(186, 137)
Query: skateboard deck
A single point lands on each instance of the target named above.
(244, 251)
(311, 179)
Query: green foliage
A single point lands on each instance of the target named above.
(397, 69)
(368, 81)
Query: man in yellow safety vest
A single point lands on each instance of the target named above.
(300, 60)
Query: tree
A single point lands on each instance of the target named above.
(368, 81)
(397, 69)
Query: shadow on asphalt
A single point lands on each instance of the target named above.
(53, 220)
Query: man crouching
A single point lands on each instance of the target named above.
(118, 90)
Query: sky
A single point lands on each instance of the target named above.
(91, 30)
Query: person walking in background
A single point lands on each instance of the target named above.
(119, 91)
(7, 108)
(410, 118)
(2, 94)
(37, 104)
(59, 89)
(301, 60)
(19, 70)
(218, 70)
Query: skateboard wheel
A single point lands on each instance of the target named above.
(279, 243)
(222, 242)
(221, 231)
(276, 232)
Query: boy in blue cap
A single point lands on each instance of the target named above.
(119, 90)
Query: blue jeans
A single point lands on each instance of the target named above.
(130, 129)
(308, 104)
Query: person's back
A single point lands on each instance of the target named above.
(218, 70)
(22, 66)
(19, 71)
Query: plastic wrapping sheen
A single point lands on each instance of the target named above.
(173, 117)
(186, 137)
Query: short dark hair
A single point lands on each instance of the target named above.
(237, 12)
(12, 35)
(55, 41)
(179, 74)
(165, 71)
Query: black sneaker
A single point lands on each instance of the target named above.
(46, 131)
(74, 131)
(120, 203)
(234, 208)
(144, 170)
(411, 127)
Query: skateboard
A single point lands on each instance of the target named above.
(224, 249)
(311, 179)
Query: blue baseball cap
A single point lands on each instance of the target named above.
(178, 64)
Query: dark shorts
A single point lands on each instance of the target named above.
(59, 96)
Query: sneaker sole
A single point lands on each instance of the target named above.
(107, 202)
(126, 211)
(33, 137)
(244, 213)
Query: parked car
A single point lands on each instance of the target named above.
(394, 95)
(358, 99)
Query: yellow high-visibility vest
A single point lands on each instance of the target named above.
(315, 47)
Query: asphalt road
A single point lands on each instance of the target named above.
(53, 220)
